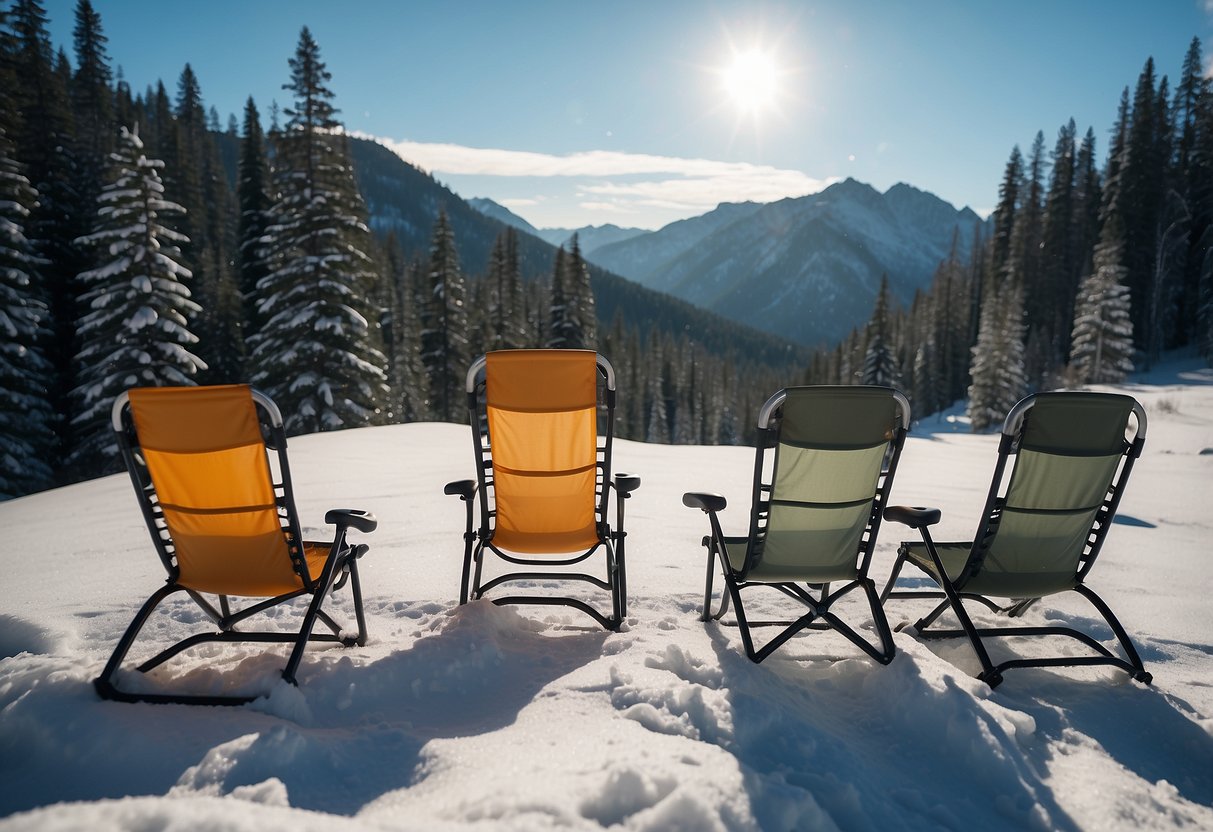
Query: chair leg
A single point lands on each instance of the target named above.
(103, 683)
(1126, 643)
(895, 574)
(323, 586)
(707, 614)
(359, 612)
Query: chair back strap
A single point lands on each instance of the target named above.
(1068, 453)
(207, 462)
(830, 450)
(542, 422)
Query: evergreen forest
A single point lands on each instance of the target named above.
(145, 242)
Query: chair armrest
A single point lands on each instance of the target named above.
(704, 500)
(464, 488)
(916, 517)
(352, 518)
(625, 484)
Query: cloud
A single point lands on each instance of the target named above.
(655, 181)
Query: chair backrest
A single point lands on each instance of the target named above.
(200, 466)
(1072, 453)
(825, 463)
(544, 466)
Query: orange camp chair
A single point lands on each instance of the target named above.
(224, 524)
(544, 475)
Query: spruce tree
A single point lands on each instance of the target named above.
(27, 440)
(401, 336)
(136, 332)
(1102, 347)
(315, 352)
(582, 320)
(253, 192)
(558, 308)
(998, 374)
(879, 363)
(444, 327)
(44, 138)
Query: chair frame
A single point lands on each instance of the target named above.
(478, 536)
(819, 605)
(340, 567)
(953, 593)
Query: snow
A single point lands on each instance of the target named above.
(530, 718)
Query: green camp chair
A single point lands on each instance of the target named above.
(825, 462)
(210, 471)
(1070, 455)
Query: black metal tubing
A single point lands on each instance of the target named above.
(341, 566)
(479, 540)
(819, 607)
(953, 594)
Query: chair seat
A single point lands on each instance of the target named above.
(988, 581)
(766, 572)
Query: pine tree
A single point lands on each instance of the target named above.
(44, 138)
(208, 202)
(92, 101)
(27, 439)
(1103, 333)
(558, 308)
(581, 320)
(444, 327)
(253, 191)
(401, 336)
(1004, 214)
(1193, 111)
(879, 363)
(998, 359)
(136, 332)
(315, 352)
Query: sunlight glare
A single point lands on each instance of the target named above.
(751, 81)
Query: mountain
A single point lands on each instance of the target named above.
(590, 238)
(504, 215)
(405, 200)
(643, 258)
(806, 269)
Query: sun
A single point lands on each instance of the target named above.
(751, 81)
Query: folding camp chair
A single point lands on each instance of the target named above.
(1070, 455)
(825, 462)
(224, 524)
(544, 476)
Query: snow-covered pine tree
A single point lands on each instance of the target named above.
(1103, 331)
(998, 359)
(879, 362)
(27, 439)
(444, 327)
(315, 353)
(135, 331)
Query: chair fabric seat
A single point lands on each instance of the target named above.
(767, 571)
(988, 581)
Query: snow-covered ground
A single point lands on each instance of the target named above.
(531, 718)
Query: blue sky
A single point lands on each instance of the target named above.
(577, 113)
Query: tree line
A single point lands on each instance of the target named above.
(1086, 273)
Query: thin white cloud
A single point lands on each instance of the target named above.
(698, 182)
(662, 187)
